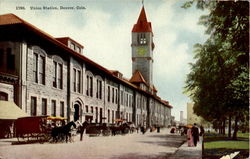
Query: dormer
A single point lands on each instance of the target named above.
(71, 44)
(116, 73)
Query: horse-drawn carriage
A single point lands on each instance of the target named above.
(35, 128)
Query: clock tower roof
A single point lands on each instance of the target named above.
(142, 24)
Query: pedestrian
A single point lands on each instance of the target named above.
(202, 131)
(195, 133)
(189, 136)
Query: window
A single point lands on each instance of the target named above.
(92, 110)
(121, 97)
(86, 109)
(108, 93)
(113, 116)
(62, 109)
(98, 89)
(100, 115)
(116, 96)
(44, 106)
(33, 108)
(113, 95)
(74, 79)
(108, 115)
(89, 91)
(42, 70)
(142, 38)
(54, 73)
(35, 60)
(72, 46)
(126, 99)
(96, 114)
(57, 75)
(53, 108)
(91, 86)
(78, 81)
(10, 59)
(60, 76)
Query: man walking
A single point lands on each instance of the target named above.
(195, 134)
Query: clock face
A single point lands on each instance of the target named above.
(141, 51)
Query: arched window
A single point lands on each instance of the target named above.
(57, 76)
(89, 88)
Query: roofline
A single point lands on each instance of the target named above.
(82, 57)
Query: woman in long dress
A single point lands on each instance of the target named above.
(190, 137)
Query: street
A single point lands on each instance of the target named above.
(131, 146)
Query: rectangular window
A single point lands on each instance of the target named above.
(113, 116)
(60, 76)
(53, 108)
(54, 73)
(92, 110)
(108, 115)
(72, 46)
(108, 93)
(74, 79)
(100, 90)
(33, 108)
(97, 88)
(113, 95)
(87, 91)
(78, 81)
(121, 97)
(44, 106)
(91, 86)
(42, 70)
(86, 109)
(96, 114)
(35, 60)
(62, 109)
(100, 115)
(116, 96)
(10, 59)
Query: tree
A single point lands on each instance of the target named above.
(219, 79)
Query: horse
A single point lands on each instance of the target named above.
(62, 132)
(83, 127)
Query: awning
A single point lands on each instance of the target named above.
(55, 118)
(9, 110)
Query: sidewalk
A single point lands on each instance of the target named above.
(185, 152)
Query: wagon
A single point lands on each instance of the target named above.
(35, 128)
(95, 129)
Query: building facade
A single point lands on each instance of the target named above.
(44, 75)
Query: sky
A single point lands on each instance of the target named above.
(104, 29)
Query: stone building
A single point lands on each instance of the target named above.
(44, 75)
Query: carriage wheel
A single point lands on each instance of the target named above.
(106, 132)
(21, 138)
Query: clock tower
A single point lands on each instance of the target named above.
(142, 48)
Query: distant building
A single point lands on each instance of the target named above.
(181, 116)
(191, 117)
(44, 75)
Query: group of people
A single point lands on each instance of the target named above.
(193, 134)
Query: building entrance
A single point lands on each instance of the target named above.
(77, 112)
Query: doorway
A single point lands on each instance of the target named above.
(77, 112)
